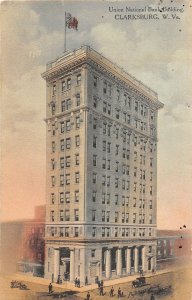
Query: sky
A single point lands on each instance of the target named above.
(157, 52)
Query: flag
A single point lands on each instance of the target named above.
(71, 22)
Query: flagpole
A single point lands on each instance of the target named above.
(65, 35)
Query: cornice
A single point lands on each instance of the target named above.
(90, 57)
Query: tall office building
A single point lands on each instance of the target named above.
(101, 169)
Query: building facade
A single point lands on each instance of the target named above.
(101, 169)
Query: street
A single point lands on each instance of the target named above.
(181, 282)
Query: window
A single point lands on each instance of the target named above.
(94, 196)
(62, 145)
(67, 215)
(61, 198)
(93, 231)
(108, 198)
(62, 127)
(116, 216)
(76, 231)
(104, 87)
(93, 215)
(95, 81)
(103, 231)
(52, 216)
(136, 105)
(116, 231)
(68, 83)
(116, 199)
(78, 100)
(108, 164)
(52, 181)
(67, 179)
(94, 142)
(123, 217)
(76, 215)
(61, 215)
(68, 104)
(77, 122)
(150, 219)
(93, 253)
(94, 178)
(77, 159)
(150, 232)
(52, 164)
(61, 180)
(151, 162)
(116, 182)
(68, 125)
(78, 79)
(108, 181)
(103, 216)
(67, 161)
(118, 95)
(117, 114)
(135, 187)
(95, 102)
(77, 177)
(127, 217)
(103, 180)
(77, 140)
(61, 231)
(67, 197)
(53, 129)
(104, 145)
(134, 218)
(116, 166)
(68, 143)
(104, 163)
(150, 204)
(117, 150)
(66, 231)
(109, 90)
(109, 109)
(123, 232)
(104, 128)
(63, 105)
(94, 160)
(76, 196)
(61, 162)
(103, 198)
(108, 231)
(104, 107)
(53, 146)
(94, 123)
(63, 85)
(54, 90)
(109, 130)
(135, 172)
(117, 133)
(108, 147)
(134, 202)
(140, 218)
(123, 184)
(151, 190)
(52, 198)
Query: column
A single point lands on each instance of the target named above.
(56, 264)
(144, 258)
(128, 261)
(108, 264)
(72, 264)
(136, 260)
(119, 261)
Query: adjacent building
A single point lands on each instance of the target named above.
(101, 169)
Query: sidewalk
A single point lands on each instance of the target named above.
(70, 286)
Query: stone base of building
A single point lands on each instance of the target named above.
(90, 262)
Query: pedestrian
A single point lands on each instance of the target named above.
(88, 296)
(50, 287)
(112, 292)
(101, 291)
(98, 284)
(152, 297)
(76, 281)
(119, 293)
(101, 282)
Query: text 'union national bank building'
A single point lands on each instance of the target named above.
(101, 169)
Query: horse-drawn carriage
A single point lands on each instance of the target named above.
(138, 282)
